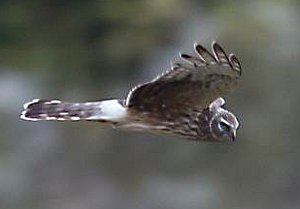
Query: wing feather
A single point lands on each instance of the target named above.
(195, 61)
(220, 54)
(193, 84)
(205, 55)
(235, 63)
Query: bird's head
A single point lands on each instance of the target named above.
(224, 124)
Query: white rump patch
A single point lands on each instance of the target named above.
(109, 110)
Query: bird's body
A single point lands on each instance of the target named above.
(184, 101)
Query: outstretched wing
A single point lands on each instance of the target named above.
(193, 84)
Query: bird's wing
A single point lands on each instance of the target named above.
(193, 84)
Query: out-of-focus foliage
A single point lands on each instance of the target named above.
(87, 50)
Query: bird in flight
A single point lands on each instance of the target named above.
(185, 101)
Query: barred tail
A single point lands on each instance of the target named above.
(107, 110)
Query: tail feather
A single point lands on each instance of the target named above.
(111, 110)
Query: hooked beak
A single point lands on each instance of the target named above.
(233, 135)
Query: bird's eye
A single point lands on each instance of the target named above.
(224, 127)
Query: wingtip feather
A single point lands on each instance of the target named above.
(235, 62)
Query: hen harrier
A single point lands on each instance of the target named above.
(185, 101)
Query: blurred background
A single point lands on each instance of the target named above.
(88, 50)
